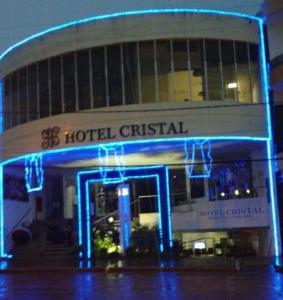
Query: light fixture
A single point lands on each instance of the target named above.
(248, 191)
(110, 219)
(236, 192)
(222, 194)
(232, 85)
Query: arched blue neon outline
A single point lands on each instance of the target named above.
(269, 140)
(127, 14)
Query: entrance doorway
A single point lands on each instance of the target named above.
(158, 173)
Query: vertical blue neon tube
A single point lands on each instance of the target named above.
(271, 168)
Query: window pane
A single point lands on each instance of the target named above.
(181, 72)
(69, 82)
(131, 73)
(98, 77)
(243, 78)
(83, 79)
(196, 55)
(43, 89)
(32, 85)
(23, 95)
(197, 188)
(255, 73)
(213, 70)
(56, 88)
(147, 72)
(114, 75)
(228, 66)
(178, 186)
(163, 58)
(14, 100)
(7, 106)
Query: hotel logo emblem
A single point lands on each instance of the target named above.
(50, 137)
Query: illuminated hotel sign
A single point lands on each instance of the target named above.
(50, 136)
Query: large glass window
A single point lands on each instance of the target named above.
(114, 75)
(228, 67)
(32, 92)
(148, 84)
(131, 73)
(163, 58)
(7, 105)
(98, 77)
(196, 56)
(255, 72)
(178, 186)
(83, 79)
(56, 86)
(243, 78)
(214, 80)
(69, 82)
(23, 95)
(182, 76)
(14, 99)
(43, 75)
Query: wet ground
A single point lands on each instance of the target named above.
(256, 284)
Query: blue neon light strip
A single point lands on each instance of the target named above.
(79, 213)
(127, 14)
(34, 174)
(2, 244)
(272, 185)
(168, 206)
(88, 220)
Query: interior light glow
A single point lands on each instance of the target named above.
(232, 85)
(248, 191)
(199, 245)
(236, 192)
(222, 194)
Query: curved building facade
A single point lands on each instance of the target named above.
(168, 103)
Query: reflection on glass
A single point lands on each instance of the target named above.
(43, 88)
(163, 59)
(114, 75)
(243, 78)
(32, 86)
(214, 82)
(228, 67)
(83, 79)
(56, 90)
(196, 56)
(23, 95)
(131, 73)
(7, 106)
(98, 77)
(255, 72)
(182, 75)
(147, 72)
(69, 82)
(14, 99)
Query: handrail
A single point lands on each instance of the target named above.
(20, 220)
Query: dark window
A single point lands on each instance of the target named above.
(147, 72)
(197, 188)
(83, 79)
(213, 70)
(98, 77)
(7, 105)
(196, 56)
(69, 82)
(131, 73)
(23, 95)
(228, 66)
(32, 85)
(178, 186)
(56, 87)
(14, 100)
(114, 75)
(43, 89)
(163, 59)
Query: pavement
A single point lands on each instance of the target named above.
(260, 283)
